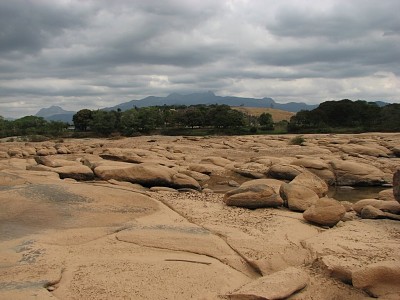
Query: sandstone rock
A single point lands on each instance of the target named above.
(63, 150)
(387, 206)
(15, 152)
(338, 267)
(317, 166)
(355, 173)
(313, 182)
(124, 155)
(279, 285)
(46, 151)
(297, 197)
(370, 150)
(396, 185)
(255, 196)
(207, 169)
(54, 162)
(79, 172)
(379, 279)
(371, 212)
(147, 175)
(326, 212)
(386, 195)
(274, 183)
(284, 171)
(218, 161)
(4, 154)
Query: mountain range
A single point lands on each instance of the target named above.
(56, 113)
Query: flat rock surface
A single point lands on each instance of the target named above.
(98, 239)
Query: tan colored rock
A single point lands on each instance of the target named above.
(386, 195)
(54, 162)
(297, 197)
(370, 150)
(218, 161)
(317, 166)
(78, 172)
(379, 279)
(356, 173)
(326, 212)
(313, 182)
(15, 152)
(284, 171)
(124, 155)
(255, 196)
(387, 206)
(279, 285)
(274, 183)
(207, 169)
(371, 212)
(147, 175)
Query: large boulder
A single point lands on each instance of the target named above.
(218, 161)
(54, 162)
(78, 172)
(356, 173)
(297, 197)
(313, 182)
(284, 171)
(381, 279)
(317, 166)
(396, 185)
(388, 206)
(255, 196)
(146, 174)
(325, 212)
(279, 285)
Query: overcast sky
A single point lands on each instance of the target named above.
(93, 54)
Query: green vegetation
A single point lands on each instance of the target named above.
(343, 116)
(347, 116)
(297, 140)
(32, 128)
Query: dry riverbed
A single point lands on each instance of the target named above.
(240, 217)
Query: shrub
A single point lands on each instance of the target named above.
(297, 140)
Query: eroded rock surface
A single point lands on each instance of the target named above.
(125, 231)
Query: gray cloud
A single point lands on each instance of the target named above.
(99, 53)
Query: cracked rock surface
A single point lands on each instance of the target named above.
(72, 238)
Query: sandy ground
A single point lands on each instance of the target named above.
(62, 239)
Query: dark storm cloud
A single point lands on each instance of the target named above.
(97, 53)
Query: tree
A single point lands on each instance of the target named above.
(130, 122)
(266, 122)
(103, 122)
(82, 119)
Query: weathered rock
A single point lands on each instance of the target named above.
(279, 285)
(338, 267)
(54, 162)
(387, 206)
(313, 182)
(371, 212)
(370, 150)
(124, 155)
(317, 166)
(79, 172)
(396, 185)
(386, 195)
(274, 183)
(147, 175)
(297, 197)
(255, 196)
(355, 173)
(46, 151)
(218, 161)
(15, 152)
(325, 212)
(284, 171)
(207, 169)
(379, 279)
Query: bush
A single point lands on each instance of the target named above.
(298, 140)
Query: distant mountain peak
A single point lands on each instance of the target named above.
(52, 110)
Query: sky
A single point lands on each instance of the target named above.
(98, 53)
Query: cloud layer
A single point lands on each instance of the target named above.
(99, 53)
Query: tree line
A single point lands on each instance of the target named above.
(347, 116)
(31, 126)
(148, 119)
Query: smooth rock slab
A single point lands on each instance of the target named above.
(279, 285)
(379, 279)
